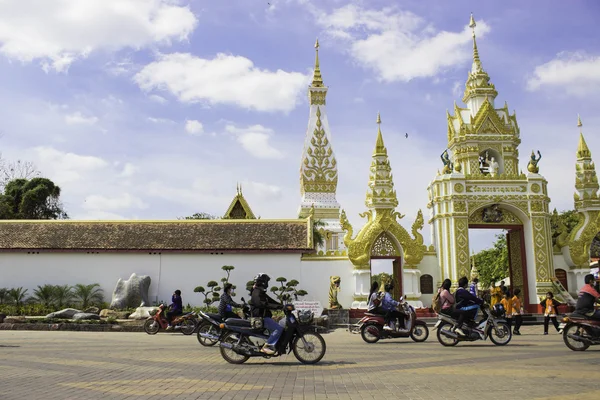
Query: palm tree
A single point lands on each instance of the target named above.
(17, 295)
(63, 294)
(3, 295)
(318, 237)
(88, 294)
(44, 294)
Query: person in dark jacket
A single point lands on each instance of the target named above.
(226, 304)
(176, 307)
(550, 309)
(467, 305)
(262, 305)
(588, 296)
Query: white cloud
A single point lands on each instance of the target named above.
(58, 32)
(77, 118)
(225, 79)
(457, 89)
(255, 140)
(158, 99)
(398, 45)
(160, 120)
(129, 170)
(576, 73)
(262, 191)
(104, 203)
(194, 127)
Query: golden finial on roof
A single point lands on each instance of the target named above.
(379, 146)
(583, 151)
(317, 78)
(476, 59)
(579, 124)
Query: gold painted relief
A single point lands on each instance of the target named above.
(461, 237)
(516, 262)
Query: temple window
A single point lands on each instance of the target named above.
(426, 283)
(331, 243)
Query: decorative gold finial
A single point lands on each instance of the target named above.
(379, 146)
(317, 78)
(378, 118)
(476, 60)
(579, 124)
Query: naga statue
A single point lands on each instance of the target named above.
(448, 165)
(533, 162)
(334, 289)
(417, 249)
(346, 226)
(562, 239)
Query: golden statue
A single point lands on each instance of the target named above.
(334, 289)
(533, 162)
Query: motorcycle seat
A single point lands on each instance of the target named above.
(238, 322)
(216, 317)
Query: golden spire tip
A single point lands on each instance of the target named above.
(579, 124)
(472, 23)
(378, 118)
(317, 44)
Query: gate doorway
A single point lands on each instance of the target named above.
(385, 269)
(517, 261)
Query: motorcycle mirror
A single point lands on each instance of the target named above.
(401, 298)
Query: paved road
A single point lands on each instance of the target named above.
(87, 365)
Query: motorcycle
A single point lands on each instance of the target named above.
(493, 326)
(241, 340)
(371, 326)
(185, 323)
(209, 331)
(580, 332)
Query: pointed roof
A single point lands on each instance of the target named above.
(583, 151)
(478, 82)
(239, 208)
(381, 193)
(317, 78)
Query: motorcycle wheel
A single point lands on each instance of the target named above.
(368, 336)
(206, 328)
(443, 339)
(188, 327)
(500, 336)
(228, 354)
(573, 344)
(151, 327)
(420, 333)
(310, 348)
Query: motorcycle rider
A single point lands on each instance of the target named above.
(467, 305)
(226, 303)
(390, 306)
(262, 305)
(588, 296)
(374, 304)
(176, 307)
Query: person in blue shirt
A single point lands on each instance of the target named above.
(390, 307)
(176, 307)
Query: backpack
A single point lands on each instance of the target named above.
(436, 305)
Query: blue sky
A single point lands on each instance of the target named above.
(155, 109)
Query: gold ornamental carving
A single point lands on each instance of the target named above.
(384, 247)
(516, 261)
(384, 222)
(542, 248)
(461, 240)
(535, 188)
(459, 187)
(317, 97)
(319, 168)
(477, 218)
(579, 248)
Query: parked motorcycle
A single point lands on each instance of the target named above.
(493, 326)
(240, 340)
(580, 332)
(209, 331)
(371, 326)
(185, 323)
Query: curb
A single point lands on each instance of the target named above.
(65, 326)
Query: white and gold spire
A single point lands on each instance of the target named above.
(586, 180)
(478, 87)
(381, 193)
(318, 171)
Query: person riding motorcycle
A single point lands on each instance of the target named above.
(467, 305)
(374, 303)
(261, 306)
(227, 303)
(176, 307)
(390, 307)
(588, 296)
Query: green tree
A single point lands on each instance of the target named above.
(4, 295)
(493, 264)
(211, 295)
(200, 215)
(44, 294)
(88, 294)
(63, 295)
(318, 236)
(17, 295)
(37, 198)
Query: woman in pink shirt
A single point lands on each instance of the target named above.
(446, 298)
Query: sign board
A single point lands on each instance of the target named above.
(314, 306)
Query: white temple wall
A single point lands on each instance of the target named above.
(429, 265)
(173, 271)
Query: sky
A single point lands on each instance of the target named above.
(157, 109)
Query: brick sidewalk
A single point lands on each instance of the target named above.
(90, 365)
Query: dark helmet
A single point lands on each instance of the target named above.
(262, 280)
(178, 292)
(389, 287)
